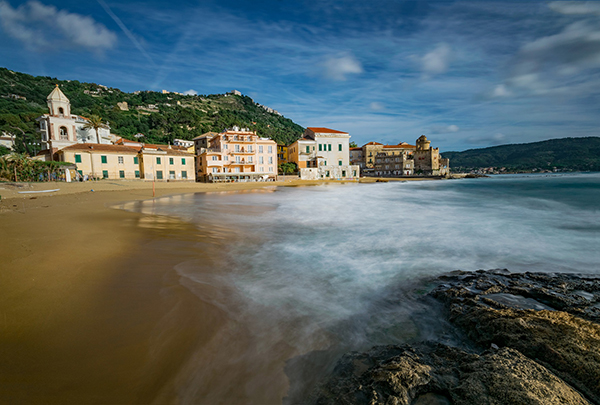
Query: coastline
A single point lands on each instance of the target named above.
(81, 280)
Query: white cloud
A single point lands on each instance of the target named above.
(576, 7)
(436, 61)
(376, 106)
(190, 92)
(440, 129)
(500, 91)
(338, 68)
(42, 27)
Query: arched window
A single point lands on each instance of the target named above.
(61, 111)
(64, 135)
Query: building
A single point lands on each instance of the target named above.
(428, 161)
(357, 158)
(393, 164)
(282, 153)
(60, 128)
(236, 154)
(127, 162)
(7, 140)
(371, 149)
(323, 153)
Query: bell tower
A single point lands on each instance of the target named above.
(58, 104)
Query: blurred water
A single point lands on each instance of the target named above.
(314, 267)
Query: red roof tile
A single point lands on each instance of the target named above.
(99, 147)
(321, 130)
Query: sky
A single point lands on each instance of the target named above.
(465, 74)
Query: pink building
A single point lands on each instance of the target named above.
(235, 155)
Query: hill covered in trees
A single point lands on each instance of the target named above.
(578, 154)
(160, 117)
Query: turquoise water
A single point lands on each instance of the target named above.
(316, 268)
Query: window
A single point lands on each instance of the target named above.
(215, 158)
(339, 147)
(260, 149)
(250, 148)
(182, 161)
(120, 159)
(80, 172)
(105, 174)
(103, 159)
(329, 147)
(343, 173)
(320, 147)
(64, 135)
(271, 160)
(237, 148)
(327, 173)
(171, 161)
(237, 159)
(61, 111)
(354, 173)
(249, 159)
(261, 160)
(215, 170)
(270, 168)
(270, 149)
(159, 174)
(183, 174)
(158, 162)
(137, 174)
(77, 158)
(172, 174)
(135, 160)
(339, 162)
(261, 169)
(121, 174)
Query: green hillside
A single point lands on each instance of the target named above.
(160, 117)
(580, 154)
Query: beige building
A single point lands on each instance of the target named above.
(393, 164)
(237, 154)
(428, 161)
(60, 128)
(165, 163)
(371, 149)
(356, 157)
(323, 153)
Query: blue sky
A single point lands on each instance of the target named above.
(466, 74)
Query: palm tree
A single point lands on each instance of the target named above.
(96, 123)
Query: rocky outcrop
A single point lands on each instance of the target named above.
(538, 337)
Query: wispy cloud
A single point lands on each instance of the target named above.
(437, 60)
(340, 67)
(40, 27)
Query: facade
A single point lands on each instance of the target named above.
(102, 161)
(165, 164)
(7, 140)
(393, 164)
(236, 154)
(371, 149)
(282, 153)
(60, 128)
(323, 153)
(428, 161)
(356, 157)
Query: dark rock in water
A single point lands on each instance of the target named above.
(541, 333)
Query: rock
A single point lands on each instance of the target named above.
(541, 330)
(439, 374)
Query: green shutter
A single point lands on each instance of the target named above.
(122, 174)
(103, 159)
(170, 161)
(137, 174)
(320, 147)
(159, 174)
(183, 174)
(77, 158)
(340, 147)
(135, 160)
(308, 149)
(157, 160)
(329, 147)
(340, 162)
(182, 161)
(105, 174)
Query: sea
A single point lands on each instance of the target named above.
(304, 274)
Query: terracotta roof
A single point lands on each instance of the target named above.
(99, 147)
(400, 146)
(372, 143)
(320, 130)
(355, 148)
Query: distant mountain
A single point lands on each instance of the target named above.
(580, 154)
(160, 117)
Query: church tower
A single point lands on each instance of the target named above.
(58, 104)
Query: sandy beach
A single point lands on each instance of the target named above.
(87, 291)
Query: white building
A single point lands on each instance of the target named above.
(60, 128)
(323, 153)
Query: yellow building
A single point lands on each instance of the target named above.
(282, 153)
(102, 161)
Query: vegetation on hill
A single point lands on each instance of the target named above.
(578, 154)
(160, 117)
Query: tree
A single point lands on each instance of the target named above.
(96, 123)
(353, 144)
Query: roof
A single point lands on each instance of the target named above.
(99, 147)
(355, 148)
(321, 130)
(402, 145)
(57, 95)
(211, 134)
(372, 143)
